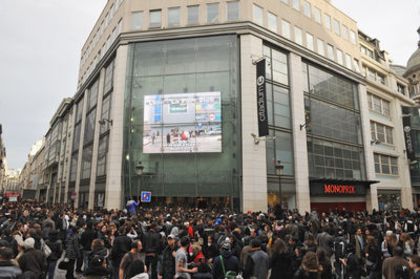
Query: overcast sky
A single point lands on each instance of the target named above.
(40, 52)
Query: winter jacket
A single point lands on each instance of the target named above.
(168, 263)
(9, 271)
(281, 266)
(86, 239)
(230, 262)
(33, 260)
(72, 247)
(152, 242)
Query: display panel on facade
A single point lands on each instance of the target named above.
(182, 123)
(262, 100)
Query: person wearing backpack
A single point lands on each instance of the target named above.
(226, 265)
(128, 259)
(258, 262)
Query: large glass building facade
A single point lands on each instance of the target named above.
(166, 70)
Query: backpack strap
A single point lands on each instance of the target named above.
(223, 265)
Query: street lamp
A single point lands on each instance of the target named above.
(139, 172)
(279, 170)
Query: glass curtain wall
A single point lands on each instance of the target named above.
(89, 132)
(335, 147)
(171, 72)
(104, 135)
(279, 147)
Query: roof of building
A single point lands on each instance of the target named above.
(413, 63)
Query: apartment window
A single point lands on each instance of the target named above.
(193, 14)
(356, 66)
(339, 57)
(385, 164)
(285, 29)
(212, 13)
(174, 16)
(336, 26)
(298, 35)
(296, 4)
(232, 10)
(309, 41)
(348, 61)
(136, 20)
(352, 37)
(366, 51)
(155, 18)
(374, 75)
(317, 15)
(307, 8)
(401, 88)
(345, 32)
(327, 21)
(381, 133)
(320, 47)
(272, 22)
(258, 14)
(330, 51)
(379, 105)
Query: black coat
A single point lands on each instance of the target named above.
(281, 266)
(33, 260)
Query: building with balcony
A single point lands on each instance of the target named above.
(167, 102)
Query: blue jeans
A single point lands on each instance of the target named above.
(51, 269)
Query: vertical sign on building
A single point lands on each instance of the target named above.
(261, 100)
(409, 138)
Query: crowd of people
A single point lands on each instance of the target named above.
(168, 243)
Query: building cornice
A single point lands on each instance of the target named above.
(232, 28)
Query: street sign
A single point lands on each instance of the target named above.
(146, 196)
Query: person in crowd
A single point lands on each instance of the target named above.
(120, 246)
(372, 257)
(225, 263)
(33, 260)
(138, 271)
(97, 268)
(309, 269)
(414, 263)
(280, 260)
(72, 251)
(167, 267)
(127, 262)
(56, 246)
(152, 248)
(181, 260)
(395, 267)
(258, 262)
(8, 269)
(86, 238)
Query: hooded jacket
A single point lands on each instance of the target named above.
(230, 262)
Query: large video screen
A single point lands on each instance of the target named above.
(182, 123)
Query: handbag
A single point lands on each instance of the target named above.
(63, 264)
(45, 249)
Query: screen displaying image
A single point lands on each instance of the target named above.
(182, 123)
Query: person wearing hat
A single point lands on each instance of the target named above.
(33, 260)
(225, 263)
(167, 270)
